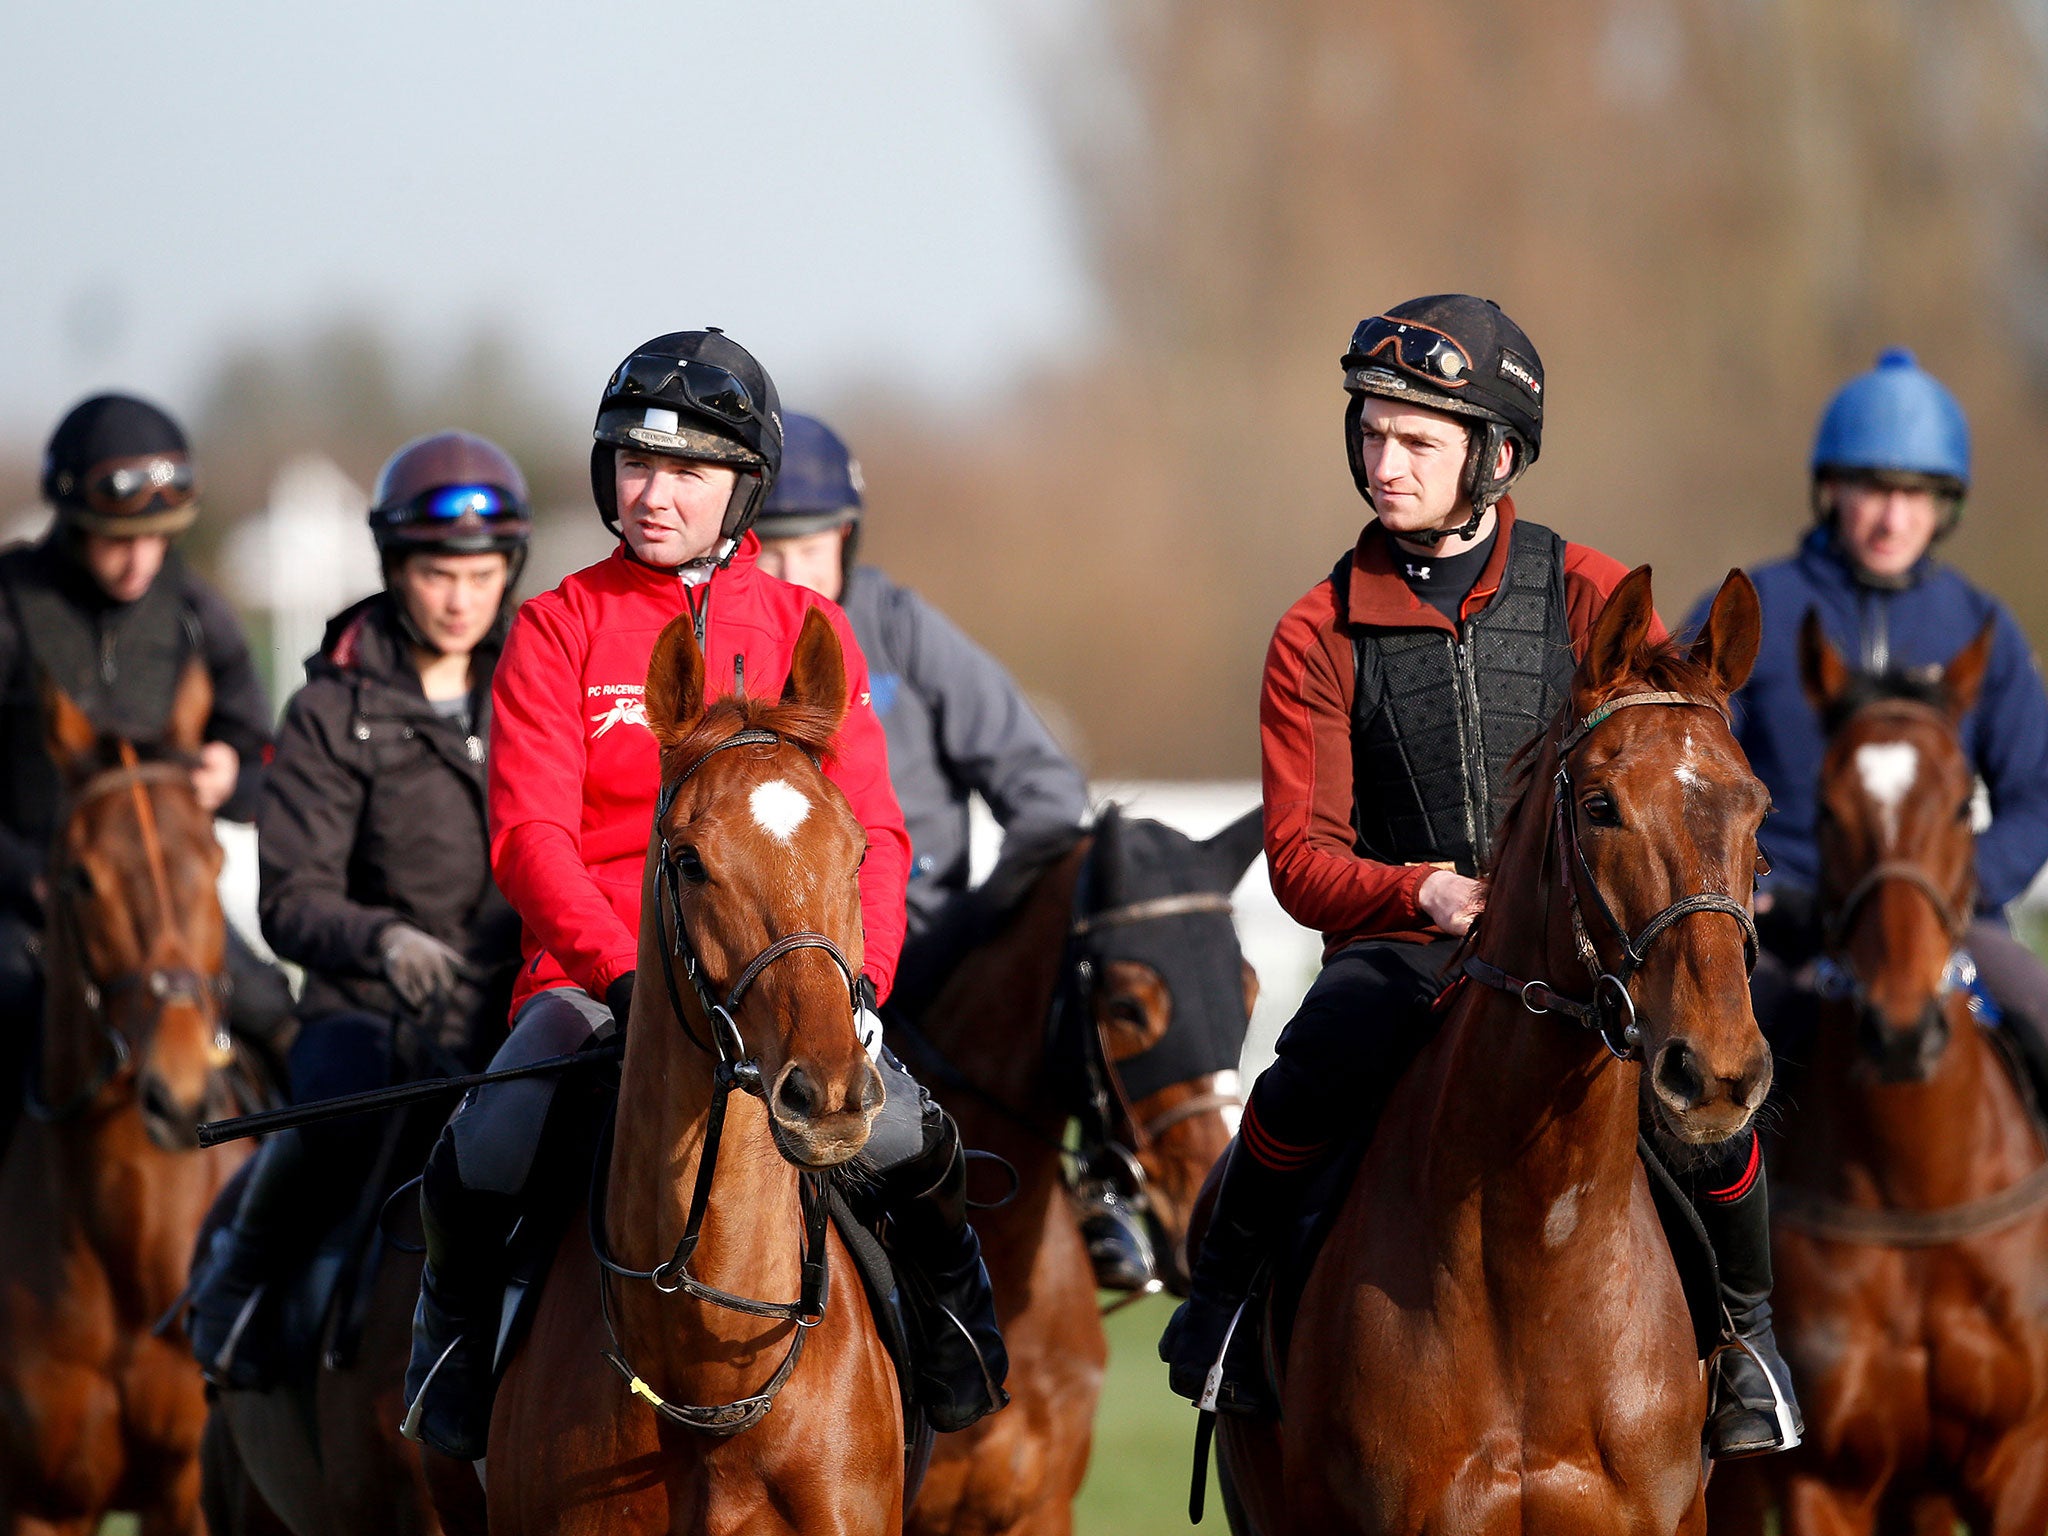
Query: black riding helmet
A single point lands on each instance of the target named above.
(696, 395)
(120, 467)
(1456, 353)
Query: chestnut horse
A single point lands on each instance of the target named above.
(1911, 1220)
(1494, 1337)
(1133, 927)
(103, 1188)
(750, 939)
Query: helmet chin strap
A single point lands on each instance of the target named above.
(1435, 536)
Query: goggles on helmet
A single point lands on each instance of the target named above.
(708, 387)
(445, 511)
(129, 487)
(1416, 347)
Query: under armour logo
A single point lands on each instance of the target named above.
(622, 712)
(1417, 572)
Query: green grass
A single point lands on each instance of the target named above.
(1144, 1439)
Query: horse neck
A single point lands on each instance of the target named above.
(752, 1231)
(1961, 1134)
(990, 1023)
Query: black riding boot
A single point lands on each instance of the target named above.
(961, 1361)
(1118, 1248)
(1253, 1203)
(1752, 1409)
(449, 1384)
(278, 1221)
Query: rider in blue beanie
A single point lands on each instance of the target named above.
(1890, 470)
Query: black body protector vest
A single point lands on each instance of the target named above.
(1436, 718)
(120, 665)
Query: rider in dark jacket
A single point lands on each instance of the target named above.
(375, 860)
(1378, 809)
(104, 608)
(1890, 467)
(958, 725)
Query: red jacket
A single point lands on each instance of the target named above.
(1305, 735)
(574, 771)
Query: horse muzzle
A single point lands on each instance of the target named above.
(1907, 1055)
(821, 1125)
(1701, 1103)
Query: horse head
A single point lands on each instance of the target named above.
(758, 851)
(1171, 999)
(1654, 815)
(137, 939)
(1897, 885)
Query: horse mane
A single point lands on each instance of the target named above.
(1910, 685)
(801, 725)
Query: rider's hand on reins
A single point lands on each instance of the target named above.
(1452, 901)
(419, 966)
(619, 998)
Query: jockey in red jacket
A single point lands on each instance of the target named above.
(688, 441)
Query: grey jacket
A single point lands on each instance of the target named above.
(957, 724)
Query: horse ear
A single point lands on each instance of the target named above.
(1233, 849)
(1822, 672)
(191, 708)
(68, 735)
(1728, 641)
(817, 672)
(1107, 864)
(1618, 637)
(675, 683)
(1963, 679)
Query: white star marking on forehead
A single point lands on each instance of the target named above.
(1888, 769)
(780, 807)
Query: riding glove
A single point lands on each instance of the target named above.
(420, 968)
(619, 998)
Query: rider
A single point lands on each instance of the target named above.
(1395, 691)
(687, 442)
(1890, 468)
(375, 861)
(103, 607)
(957, 725)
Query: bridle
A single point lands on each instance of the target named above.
(733, 1068)
(162, 985)
(1611, 1012)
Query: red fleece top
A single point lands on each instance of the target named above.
(574, 770)
(1305, 734)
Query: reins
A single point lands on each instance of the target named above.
(732, 1068)
(1611, 1012)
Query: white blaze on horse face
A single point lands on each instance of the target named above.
(780, 808)
(1688, 775)
(1888, 769)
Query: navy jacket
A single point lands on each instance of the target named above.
(1926, 623)
(957, 724)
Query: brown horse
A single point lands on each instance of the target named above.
(1494, 1336)
(103, 1188)
(753, 918)
(1911, 1221)
(1018, 1471)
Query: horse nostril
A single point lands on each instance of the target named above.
(1678, 1075)
(797, 1096)
(872, 1093)
(157, 1098)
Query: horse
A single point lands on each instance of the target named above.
(104, 1185)
(1128, 934)
(1494, 1336)
(1910, 1219)
(709, 1274)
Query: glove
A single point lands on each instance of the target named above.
(420, 968)
(619, 998)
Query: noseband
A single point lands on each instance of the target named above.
(733, 1068)
(1836, 979)
(1611, 1012)
(161, 985)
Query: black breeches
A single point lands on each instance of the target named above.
(336, 1054)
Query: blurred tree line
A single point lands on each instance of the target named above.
(1707, 214)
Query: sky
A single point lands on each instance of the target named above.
(856, 191)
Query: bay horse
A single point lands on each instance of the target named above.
(1910, 1222)
(1130, 928)
(1494, 1337)
(750, 940)
(104, 1185)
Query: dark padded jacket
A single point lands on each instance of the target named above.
(957, 724)
(374, 813)
(120, 663)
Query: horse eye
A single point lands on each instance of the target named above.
(1963, 810)
(690, 865)
(1763, 862)
(1601, 810)
(1127, 1010)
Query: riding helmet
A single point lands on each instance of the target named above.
(121, 467)
(452, 492)
(1897, 419)
(695, 395)
(1457, 353)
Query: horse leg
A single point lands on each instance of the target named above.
(1816, 1508)
(2011, 1496)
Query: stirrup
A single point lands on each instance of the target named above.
(1780, 1412)
(409, 1426)
(219, 1370)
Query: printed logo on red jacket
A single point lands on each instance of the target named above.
(622, 705)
